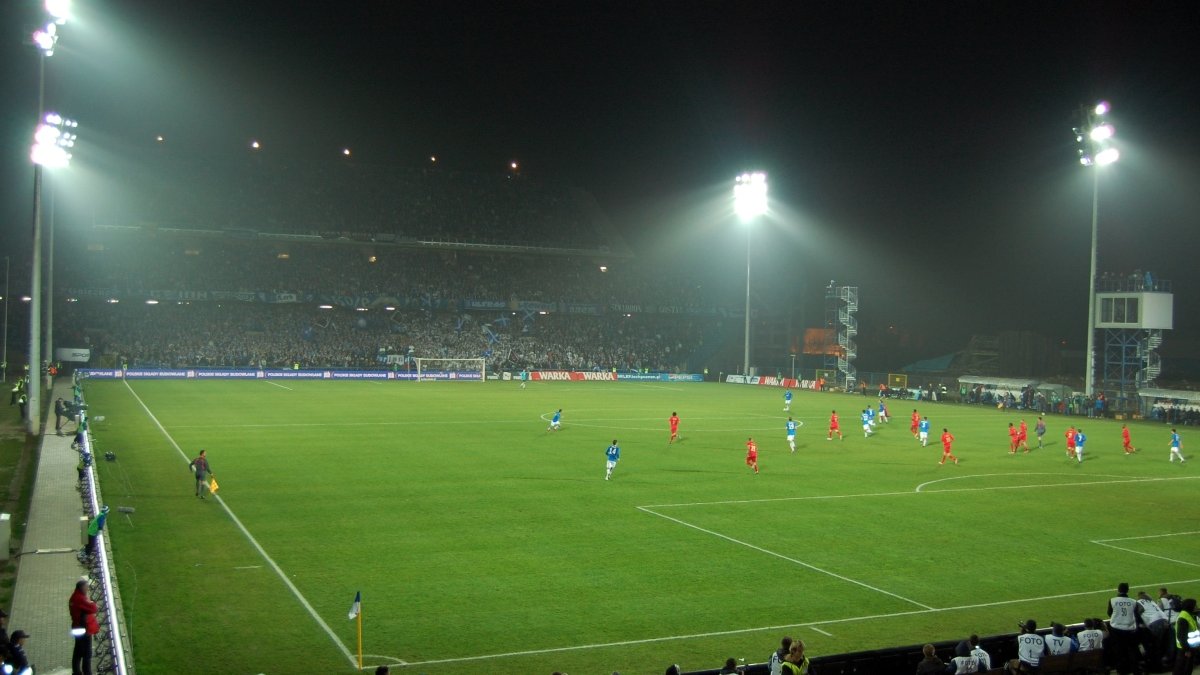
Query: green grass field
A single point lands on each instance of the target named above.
(480, 542)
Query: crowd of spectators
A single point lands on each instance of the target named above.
(264, 193)
(139, 262)
(236, 334)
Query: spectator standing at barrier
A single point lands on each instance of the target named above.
(1153, 628)
(1031, 647)
(4, 639)
(60, 413)
(17, 658)
(1122, 624)
(95, 525)
(200, 468)
(776, 661)
(931, 663)
(83, 627)
(796, 663)
(1185, 652)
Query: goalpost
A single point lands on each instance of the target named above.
(447, 369)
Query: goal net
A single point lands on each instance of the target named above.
(451, 369)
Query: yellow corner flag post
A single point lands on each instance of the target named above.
(356, 613)
(212, 485)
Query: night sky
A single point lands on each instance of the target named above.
(920, 150)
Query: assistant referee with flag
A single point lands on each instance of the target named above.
(200, 468)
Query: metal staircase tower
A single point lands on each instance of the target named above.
(841, 305)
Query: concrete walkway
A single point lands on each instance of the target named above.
(48, 564)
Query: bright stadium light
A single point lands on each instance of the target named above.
(1095, 151)
(750, 195)
(1102, 132)
(59, 10)
(750, 202)
(45, 38)
(1107, 156)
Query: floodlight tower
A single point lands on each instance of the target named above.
(50, 148)
(1096, 150)
(750, 202)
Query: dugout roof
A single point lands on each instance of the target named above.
(1175, 394)
(998, 382)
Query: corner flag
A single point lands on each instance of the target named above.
(356, 608)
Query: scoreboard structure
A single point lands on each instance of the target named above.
(1133, 316)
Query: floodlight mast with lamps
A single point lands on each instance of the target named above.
(45, 39)
(1095, 151)
(750, 202)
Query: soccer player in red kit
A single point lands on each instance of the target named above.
(1126, 444)
(833, 427)
(674, 422)
(1071, 442)
(1023, 436)
(947, 439)
(1012, 439)
(752, 454)
(912, 425)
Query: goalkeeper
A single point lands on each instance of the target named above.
(200, 468)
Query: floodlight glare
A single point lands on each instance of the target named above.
(750, 195)
(1102, 108)
(60, 10)
(1107, 156)
(46, 38)
(1102, 132)
(346, 152)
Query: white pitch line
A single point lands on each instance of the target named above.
(759, 629)
(932, 492)
(821, 631)
(1148, 536)
(279, 385)
(784, 557)
(989, 475)
(270, 561)
(1148, 555)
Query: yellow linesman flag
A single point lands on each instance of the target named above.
(212, 485)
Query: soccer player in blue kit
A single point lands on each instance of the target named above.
(613, 454)
(787, 401)
(791, 433)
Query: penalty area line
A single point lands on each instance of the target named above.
(278, 385)
(794, 561)
(249, 537)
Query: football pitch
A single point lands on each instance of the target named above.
(482, 542)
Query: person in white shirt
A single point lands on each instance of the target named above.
(1058, 642)
(985, 661)
(1091, 637)
(964, 662)
(1122, 624)
(1154, 628)
(1031, 647)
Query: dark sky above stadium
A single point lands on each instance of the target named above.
(921, 150)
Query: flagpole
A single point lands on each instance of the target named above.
(360, 666)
